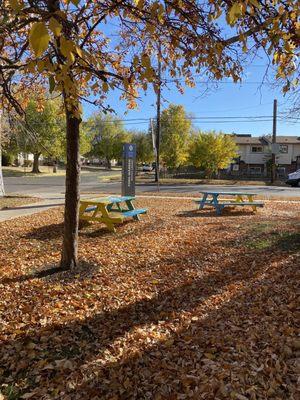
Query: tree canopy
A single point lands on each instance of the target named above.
(212, 151)
(175, 134)
(66, 43)
(107, 135)
(144, 147)
(47, 125)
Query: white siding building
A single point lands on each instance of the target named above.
(255, 153)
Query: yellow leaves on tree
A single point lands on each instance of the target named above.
(55, 26)
(234, 13)
(39, 38)
(16, 5)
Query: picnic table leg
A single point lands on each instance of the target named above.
(216, 204)
(219, 209)
(250, 199)
(202, 202)
(131, 207)
(81, 210)
(110, 226)
(106, 218)
(110, 208)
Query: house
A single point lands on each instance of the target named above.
(255, 154)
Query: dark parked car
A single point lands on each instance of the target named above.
(294, 179)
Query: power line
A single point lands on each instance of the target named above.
(217, 81)
(195, 118)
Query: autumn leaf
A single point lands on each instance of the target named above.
(39, 38)
(16, 5)
(234, 13)
(55, 26)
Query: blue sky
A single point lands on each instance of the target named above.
(248, 99)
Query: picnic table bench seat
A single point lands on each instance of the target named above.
(233, 203)
(132, 213)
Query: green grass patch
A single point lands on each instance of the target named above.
(10, 172)
(284, 241)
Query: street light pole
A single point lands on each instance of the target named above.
(158, 125)
(2, 192)
(273, 171)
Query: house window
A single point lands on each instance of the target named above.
(283, 148)
(281, 171)
(255, 170)
(256, 149)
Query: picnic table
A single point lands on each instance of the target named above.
(239, 199)
(109, 210)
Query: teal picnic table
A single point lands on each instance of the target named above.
(236, 199)
(110, 210)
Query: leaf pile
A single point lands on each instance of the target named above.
(183, 305)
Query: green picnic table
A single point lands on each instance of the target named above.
(237, 199)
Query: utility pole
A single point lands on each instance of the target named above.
(158, 126)
(2, 192)
(273, 171)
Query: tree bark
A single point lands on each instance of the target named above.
(108, 163)
(72, 197)
(2, 192)
(35, 166)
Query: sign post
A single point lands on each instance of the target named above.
(128, 169)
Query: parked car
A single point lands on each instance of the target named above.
(294, 179)
(147, 168)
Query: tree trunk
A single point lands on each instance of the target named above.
(72, 197)
(108, 163)
(35, 167)
(2, 192)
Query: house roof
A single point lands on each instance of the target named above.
(246, 139)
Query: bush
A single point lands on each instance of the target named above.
(7, 159)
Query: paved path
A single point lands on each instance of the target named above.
(46, 186)
(29, 209)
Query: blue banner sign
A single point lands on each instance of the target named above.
(128, 169)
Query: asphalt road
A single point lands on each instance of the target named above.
(54, 187)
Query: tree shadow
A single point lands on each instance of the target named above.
(212, 213)
(34, 275)
(235, 348)
(46, 232)
(55, 273)
(81, 341)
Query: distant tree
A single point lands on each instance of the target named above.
(107, 134)
(42, 130)
(212, 151)
(144, 148)
(175, 135)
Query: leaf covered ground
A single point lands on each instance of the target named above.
(183, 305)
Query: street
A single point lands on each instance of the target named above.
(54, 187)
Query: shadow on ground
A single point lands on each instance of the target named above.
(233, 324)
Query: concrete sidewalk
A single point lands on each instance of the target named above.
(29, 209)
